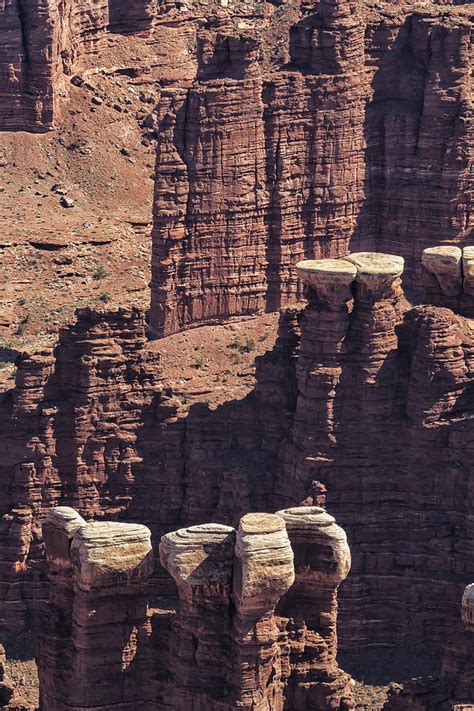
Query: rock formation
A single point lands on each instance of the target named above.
(227, 648)
(334, 151)
(448, 276)
(40, 44)
(454, 690)
(363, 394)
(68, 432)
(322, 562)
(96, 624)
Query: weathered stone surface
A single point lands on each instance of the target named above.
(322, 562)
(330, 152)
(263, 573)
(448, 278)
(200, 559)
(454, 690)
(41, 42)
(7, 688)
(93, 652)
(69, 435)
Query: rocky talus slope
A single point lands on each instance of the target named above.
(361, 139)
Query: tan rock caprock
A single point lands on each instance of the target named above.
(331, 279)
(377, 271)
(467, 607)
(468, 270)
(106, 554)
(263, 569)
(199, 556)
(322, 562)
(59, 528)
(331, 562)
(445, 263)
(200, 559)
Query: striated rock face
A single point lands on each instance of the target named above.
(226, 647)
(69, 434)
(41, 42)
(322, 562)
(96, 624)
(257, 170)
(454, 690)
(383, 419)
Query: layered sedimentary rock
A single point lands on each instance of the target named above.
(69, 431)
(454, 690)
(448, 278)
(40, 43)
(322, 562)
(335, 150)
(263, 573)
(200, 560)
(384, 420)
(91, 650)
(362, 398)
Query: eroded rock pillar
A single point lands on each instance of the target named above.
(97, 662)
(200, 559)
(263, 572)
(55, 656)
(322, 562)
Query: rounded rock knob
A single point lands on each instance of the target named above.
(321, 550)
(445, 263)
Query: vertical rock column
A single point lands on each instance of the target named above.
(263, 572)
(106, 621)
(55, 655)
(322, 562)
(200, 559)
(324, 325)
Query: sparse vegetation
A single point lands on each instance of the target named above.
(105, 297)
(100, 273)
(199, 362)
(246, 347)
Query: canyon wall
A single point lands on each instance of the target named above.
(362, 395)
(362, 140)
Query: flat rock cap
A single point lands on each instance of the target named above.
(64, 518)
(377, 264)
(444, 257)
(110, 553)
(317, 271)
(306, 517)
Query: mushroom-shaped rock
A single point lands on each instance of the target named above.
(375, 270)
(263, 569)
(467, 607)
(468, 270)
(105, 554)
(320, 545)
(331, 279)
(444, 263)
(199, 556)
(59, 528)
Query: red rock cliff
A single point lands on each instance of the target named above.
(336, 150)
